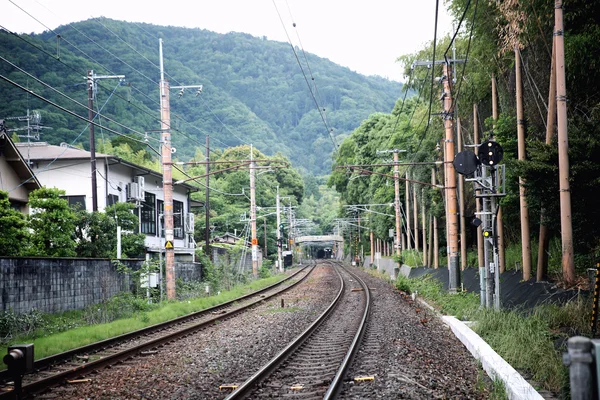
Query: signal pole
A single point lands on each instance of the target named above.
(165, 124)
(206, 202)
(279, 238)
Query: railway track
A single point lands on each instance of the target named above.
(76, 363)
(314, 364)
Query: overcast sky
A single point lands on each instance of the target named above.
(365, 36)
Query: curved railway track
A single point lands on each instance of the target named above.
(314, 364)
(78, 362)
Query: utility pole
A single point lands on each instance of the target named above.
(525, 239)
(207, 202)
(167, 166)
(91, 86)
(454, 272)
(265, 231)
(253, 214)
(165, 120)
(566, 227)
(398, 244)
(415, 218)
(500, 224)
(424, 227)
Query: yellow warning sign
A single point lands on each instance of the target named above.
(168, 244)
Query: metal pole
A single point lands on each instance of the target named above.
(253, 214)
(279, 238)
(452, 217)
(91, 116)
(525, 238)
(165, 117)
(489, 282)
(566, 227)
(480, 260)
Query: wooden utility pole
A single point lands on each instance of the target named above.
(499, 223)
(397, 205)
(430, 255)
(542, 262)
(525, 238)
(566, 227)
(265, 231)
(372, 247)
(165, 119)
(451, 203)
(480, 256)
(461, 204)
(206, 202)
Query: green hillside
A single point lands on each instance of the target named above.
(254, 90)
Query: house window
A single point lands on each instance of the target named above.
(112, 199)
(160, 205)
(178, 219)
(148, 214)
(77, 202)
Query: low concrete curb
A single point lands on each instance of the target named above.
(495, 366)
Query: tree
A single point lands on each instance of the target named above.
(97, 232)
(53, 224)
(14, 237)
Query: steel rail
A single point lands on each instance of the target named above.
(84, 368)
(246, 388)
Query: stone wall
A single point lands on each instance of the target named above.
(61, 284)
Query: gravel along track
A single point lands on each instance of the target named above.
(205, 364)
(409, 353)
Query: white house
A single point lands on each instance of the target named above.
(69, 169)
(15, 175)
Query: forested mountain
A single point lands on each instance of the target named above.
(254, 91)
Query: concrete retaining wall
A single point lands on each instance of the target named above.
(61, 284)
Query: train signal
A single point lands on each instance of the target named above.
(466, 162)
(490, 153)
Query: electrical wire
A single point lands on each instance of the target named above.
(329, 130)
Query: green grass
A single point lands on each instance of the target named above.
(48, 343)
(531, 341)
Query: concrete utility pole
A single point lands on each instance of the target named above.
(167, 166)
(91, 86)
(454, 272)
(253, 214)
(566, 227)
(398, 244)
(525, 238)
(480, 258)
(165, 119)
(500, 224)
(542, 263)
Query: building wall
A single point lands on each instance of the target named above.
(10, 181)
